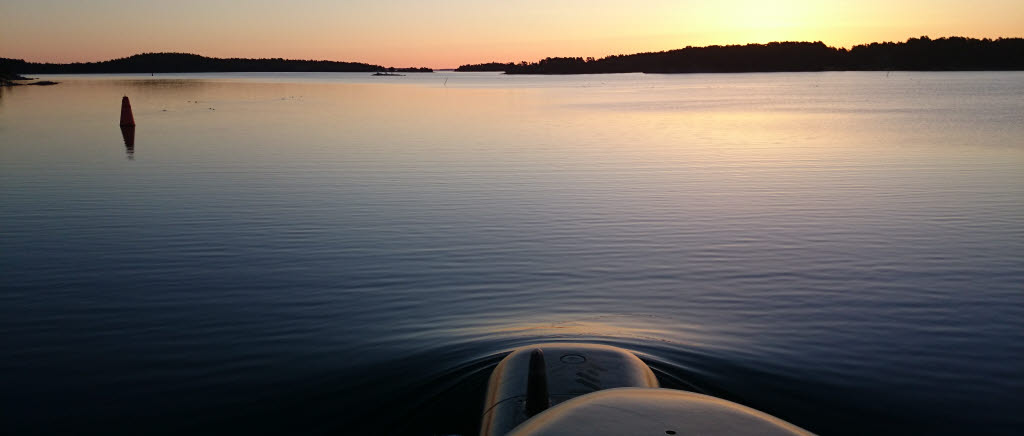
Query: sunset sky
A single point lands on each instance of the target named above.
(448, 33)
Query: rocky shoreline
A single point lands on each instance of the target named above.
(10, 79)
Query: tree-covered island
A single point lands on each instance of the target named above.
(191, 63)
(920, 54)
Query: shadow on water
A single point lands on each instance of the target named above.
(440, 391)
(128, 134)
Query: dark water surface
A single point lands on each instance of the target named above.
(342, 254)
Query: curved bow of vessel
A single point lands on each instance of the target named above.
(589, 389)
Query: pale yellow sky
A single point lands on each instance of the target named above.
(448, 33)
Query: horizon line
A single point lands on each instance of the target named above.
(455, 67)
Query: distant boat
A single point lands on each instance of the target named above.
(384, 73)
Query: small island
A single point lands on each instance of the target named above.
(11, 79)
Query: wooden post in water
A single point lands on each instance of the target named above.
(127, 119)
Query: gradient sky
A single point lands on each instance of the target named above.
(448, 33)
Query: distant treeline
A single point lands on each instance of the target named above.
(192, 63)
(920, 54)
(490, 66)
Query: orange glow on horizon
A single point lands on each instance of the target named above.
(405, 33)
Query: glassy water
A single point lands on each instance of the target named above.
(340, 253)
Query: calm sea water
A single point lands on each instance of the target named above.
(340, 253)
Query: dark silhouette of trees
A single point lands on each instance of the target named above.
(925, 54)
(7, 79)
(944, 54)
(191, 63)
(490, 66)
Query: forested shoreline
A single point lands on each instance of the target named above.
(921, 54)
(192, 63)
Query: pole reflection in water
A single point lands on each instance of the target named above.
(128, 133)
